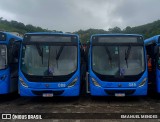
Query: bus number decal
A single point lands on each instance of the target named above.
(132, 84)
(61, 85)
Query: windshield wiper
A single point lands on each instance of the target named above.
(49, 73)
(58, 54)
(109, 54)
(40, 52)
(127, 53)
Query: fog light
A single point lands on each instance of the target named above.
(95, 82)
(143, 82)
(22, 82)
(73, 82)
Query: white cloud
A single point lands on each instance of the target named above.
(72, 15)
(7, 15)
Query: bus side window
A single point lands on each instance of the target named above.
(16, 51)
(10, 50)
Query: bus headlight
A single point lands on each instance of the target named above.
(73, 82)
(22, 82)
(95, 82)
(143, 82)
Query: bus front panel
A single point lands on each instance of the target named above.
(49, 68)
(117, 67)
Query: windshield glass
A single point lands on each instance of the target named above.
(3, 56)
(40, 60)
(118, 60)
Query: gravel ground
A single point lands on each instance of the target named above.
(96, 107)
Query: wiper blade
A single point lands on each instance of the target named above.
(127, 53)
(40, 52)
(48, 61)
(59, 52)
(109, 54)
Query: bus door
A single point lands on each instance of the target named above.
(14, 49)
(151, 62)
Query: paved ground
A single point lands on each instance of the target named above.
(84, 104)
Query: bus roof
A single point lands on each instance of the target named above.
(54, 33)
(9, 36)
(152, 40)
(116, 34)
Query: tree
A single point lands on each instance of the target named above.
(1, 18)
(115, 30)
(128, 29)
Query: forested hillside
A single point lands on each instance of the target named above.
(146, 30)
(14, 26)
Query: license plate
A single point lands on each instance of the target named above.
(119, 94)
(47, 94)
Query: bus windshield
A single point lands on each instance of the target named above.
(118, 60)
(45, 60)
(3, 56)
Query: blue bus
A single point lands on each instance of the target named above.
(153, 54)
(49, 65)
(9, 51)
(117, 65)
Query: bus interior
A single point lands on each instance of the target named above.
(151, 63)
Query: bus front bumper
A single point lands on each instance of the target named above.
(72, 91)
(100, 91)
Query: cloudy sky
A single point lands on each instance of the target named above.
(73, 15)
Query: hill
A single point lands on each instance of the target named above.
(147, 30)
(14, 26)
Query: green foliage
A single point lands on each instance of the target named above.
(146, 30)
(14, 26)
(115, 30)
(86, 34)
